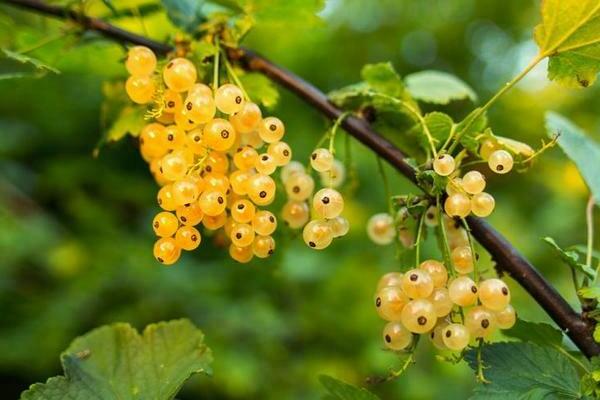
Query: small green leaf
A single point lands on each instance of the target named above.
(185, 14)
(590, 292)
(130, 121)
(438, 87)
(116, 362)
(383, 78)
(582, 150)
(440, 126)
(474, 126)
(260, 89)
(535, 332)
(597, 333)
(338, 390)
(40, 66)
(571, 258)
(524, 371)
(570, 35)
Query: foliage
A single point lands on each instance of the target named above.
(338, 390)
(438, 87)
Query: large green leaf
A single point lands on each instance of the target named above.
(438, 87)
(522, 371)
(570, 35)
(186, 14)
(582, 150)
(116, 362)
(260, 89)
(16, 65)
(571, 258)
(535, 332)
(383, 78)
(590, 292)
(338, 390)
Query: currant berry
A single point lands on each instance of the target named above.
(165, 198)
(265, 164)
(290, 169)
(151, 140)
(214, 222)
(463, 291)
(444, 165)
(140, 89)
(390, 279)
(482, 204)
(335, 176)
(458, 205)
(389, 302)
(251, 139)
(212, 202)
(339, 226)
(380, 229)
(141, 61)
(437, 335)
(200, 107)
(185, 191)
(500, 161)
(239, 181)
(462, 259)
(188, 238)
(473, 182)
(165, 224)
(396, 337)
(173, 166)
(281, 153)
(431, 217)
(487, 148)
(179, 74)
(480, 321)
(166, 251)
(242, 235)
(241, 254)
(261, 189)
(417, 284)
(242, 211)
(456, 337)
(437, 271)
(418, 316)
(494, 294)
(190, 214)
(216, 162)
(219, 134)
(299, 186)
(271, 129)
(217, 181)
(200, 89)
(317, 234)
(328, 203)
(321, 160)
(194, 142)
(454, 186)
(263, 246)
(247, 119)
(264, 223)
(506, 317)
(172, 101)
(442, 303)
(245, 158)
(295, 214)
(229, 99)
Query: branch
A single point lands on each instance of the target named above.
(505, 255)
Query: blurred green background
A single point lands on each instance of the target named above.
(75, 233)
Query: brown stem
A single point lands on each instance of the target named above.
(505, 255)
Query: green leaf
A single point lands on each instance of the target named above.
(116, 362)
(583, 151)
(571, 258)
(597, 333)
(260, 89)
(186, 14)
(130, 121)
(475, 125)
(40, 66)
(282, 13)
(570, 35)
(535, 332)
(339, 390)
(440, 126)
(383, 78)
(524, 371)
(590, 292)
(438, 87)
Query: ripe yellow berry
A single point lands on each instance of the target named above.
(247, 119)
(444, 165)
(463, 291)
(151, 140)
(212, 202)
(339, 226)
(194, 142)
(263, 246)
(456, 337)
(216, 162)
(299, 186)
(179, 74)
(264, 223)
(242, 235)
(454, 186)
(241, 254)
(328, 203)
(239, 181)
(494, 294)
(335, 176)
(480, 321)
(473, 182)
(417, 284)
(317, 234)
(229, 99)
(389, 302)
(487, 147)
(245, 158)
(200, 107)
(184, 121)
(271, 129)
(188, 238)
(390, 279)
(431, 217)
(166, 251)
(462, 259)
(321, 160)
(396, 336)
(265, 164)
(380, 229)
(172, 101)
(418, 316)
(173, 166)
(500, 161)
(200, 89)
(482, 204)
(295, 214)
(458, 205)
(185, 191)
(506, 317)
(290, 169)
(219, 134)
(165, 198)
(214, 222)
(141, 61)
(217, 181)
(261, 189)
(242, 211)
(437, 271)
(165, 224)
(442, 303)
(140, 89)
(190, 214)
(437, 335)
(281, 153)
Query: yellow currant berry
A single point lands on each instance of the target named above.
(265, 164)
(261, 189)
(380, 229)
(179, 74)
(463, 291)
(335, 176)
(458, 205)
(417, 284)
(295, 214)
(321, 160)
(328, 203)
(165, 224)
(456, 337)
(473, 182)
(440, 298)
(247, 119)
(190, 214)
(264, 222)
(242, 235)
(214, 222)
(212, 202)
(241, 254)
(462, 259)
(389, 302)
(317, 234)
(500, 161)
(281, 153)
(165, 198)
(219, 134)
(444, 165)
(299, 186)
(339, 226)
(271, 129)
(245, 158)
(229, 99)
(151, 140)
(242, 211)
(482, 204)
(290, 169)
(396, 337)
(506, 317)
(185, 191)
(188, 238)
(141, 61)
(166, 251)
(263, 246)
(437, 271)
(494, 294)
(418, 316)
(390, 279)
(140, 89)
(480, 321)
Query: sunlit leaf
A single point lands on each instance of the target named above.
(438, 87)
(37, 68)
(260, 89)
(571, 258)
(338, 390)
(590, 292)
(383, 78)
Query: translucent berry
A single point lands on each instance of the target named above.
(241, 254)
(141, 61)
(500, 161)
(390, 279)
(482, 204)
(317, 234)
(290, 169)
(151, 140)
(245, 158)
(247, 119)
(184, 121)
(389, 302)
(380, 229)
(456, 337)
(396, 336)
(265, 164)
(172, 101)
(440, 298)
(506, 317)
(321, 160)
(242, 235)
(339, 226)
(251, 139)
(295, 214)
(263, 246)
(281, 153)
(179, 74)
(463, 291)
(239, 181)
(188, 238)
(444, 165)
(166, 251)
(165, 198)
(242, 211)
(494, 294)
(190, 214)
(200, 89)
(335, 176)
(271, 129)
(431, 217)
(437, 271)
(480, 321)
(174, 166)
(328, 203)
(299, 186)
(454, 186)
(261, 189)
(219, 134)
(214, 222)
(185, 191)
(200, 107)
(462, 259)
(264, 222)
(437, 335)
(417, 284)
(212, 202)
(217, 181)
(229, 99)
(487, 147)
(418, 316)
(165, 224)
(458, 205)
(140, 89)
(216, 162)
(194, 142)
(473, 182)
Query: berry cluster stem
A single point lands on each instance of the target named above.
(216, 65)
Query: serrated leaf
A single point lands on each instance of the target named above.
(582, 150)
(470, 127)
(571, 258)
(440, 126)
(383, 78)
(185, 14)
(117, 363)
(570, 35)
(260, 89)
(438, 87)
(524, 371)
(590, 292)
(535, 332)
(24, 59)
(130, 121)
(339, 390)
